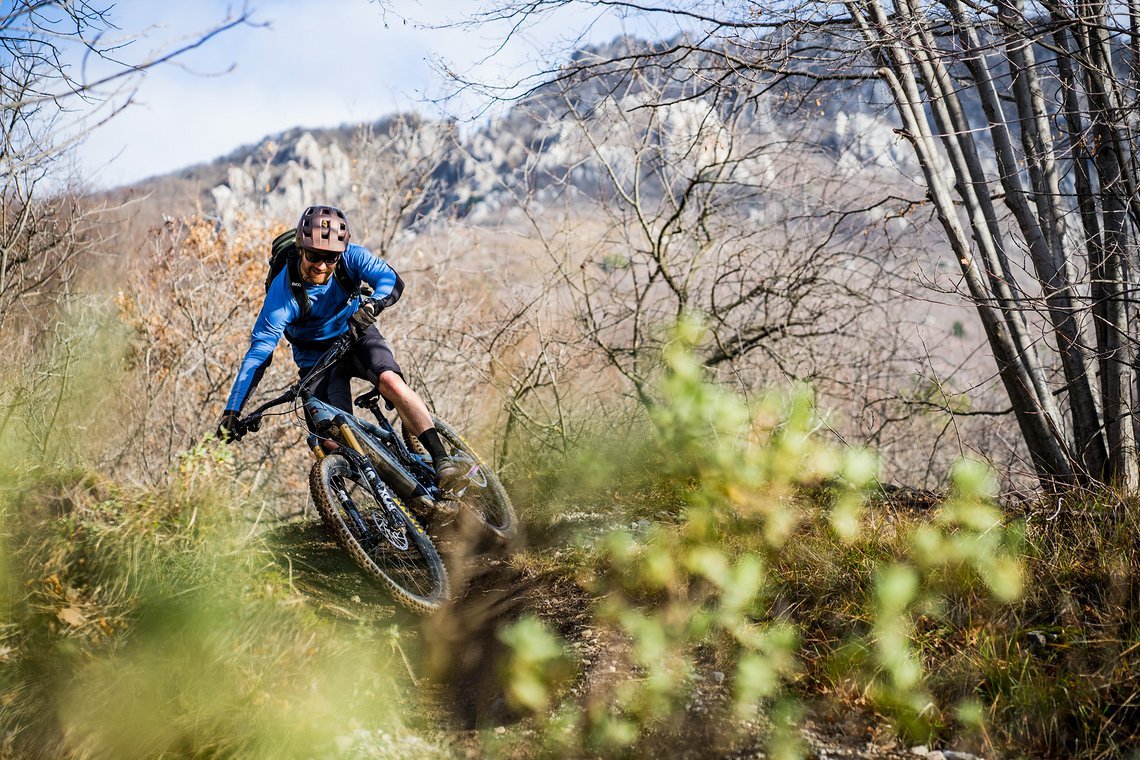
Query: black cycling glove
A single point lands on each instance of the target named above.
(363, 318)
(230, 428)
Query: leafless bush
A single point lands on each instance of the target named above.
(644, 212)
(46, 107)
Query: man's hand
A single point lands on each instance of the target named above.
(230, 428)
(364, 318)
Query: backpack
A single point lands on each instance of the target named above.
(284, 254)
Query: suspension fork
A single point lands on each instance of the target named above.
(364, 465)
(314, 442)
(348, 435)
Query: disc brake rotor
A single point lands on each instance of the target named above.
(396, 535)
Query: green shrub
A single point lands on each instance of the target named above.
(712, 587)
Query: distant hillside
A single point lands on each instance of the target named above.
(476, 170)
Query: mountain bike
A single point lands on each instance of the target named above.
(370, 488)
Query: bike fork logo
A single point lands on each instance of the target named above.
(398, 528)
(395, 505)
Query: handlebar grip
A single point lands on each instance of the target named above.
(372, 306)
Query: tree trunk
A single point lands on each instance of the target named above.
(1018, 367)
(1110, 263)
(1045, 230)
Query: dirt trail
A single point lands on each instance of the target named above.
(324, 573)
(462, 655)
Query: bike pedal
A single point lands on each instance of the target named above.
(447, 505)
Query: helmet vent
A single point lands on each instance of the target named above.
(316, 227)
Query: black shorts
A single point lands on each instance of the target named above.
(369, 358)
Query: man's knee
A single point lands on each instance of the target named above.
(391, 385)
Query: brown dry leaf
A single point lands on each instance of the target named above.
(72, 616)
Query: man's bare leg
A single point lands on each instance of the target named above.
(417, 420)
(411, 408)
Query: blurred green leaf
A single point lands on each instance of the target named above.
(536, 665)
(895, 588)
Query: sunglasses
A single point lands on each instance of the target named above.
(317, 257)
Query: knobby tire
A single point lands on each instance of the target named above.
(414, 576)
(489, 506)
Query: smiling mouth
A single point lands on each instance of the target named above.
(316, 275)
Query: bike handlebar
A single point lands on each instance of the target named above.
(251, 423)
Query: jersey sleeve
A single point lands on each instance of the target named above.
(279, 309)
(388, 285)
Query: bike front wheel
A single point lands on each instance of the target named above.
(484, 498)
(377, 530)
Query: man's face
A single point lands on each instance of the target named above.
(317, 266)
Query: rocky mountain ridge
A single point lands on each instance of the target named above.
(574, 129)
(554, 138)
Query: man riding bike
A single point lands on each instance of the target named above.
(323, 245)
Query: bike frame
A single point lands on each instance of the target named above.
(404, 471)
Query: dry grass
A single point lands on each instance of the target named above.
(157, 623)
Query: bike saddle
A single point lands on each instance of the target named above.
(368, 401)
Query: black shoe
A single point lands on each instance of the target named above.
(449, 472)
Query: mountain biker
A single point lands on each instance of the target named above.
(323, 245)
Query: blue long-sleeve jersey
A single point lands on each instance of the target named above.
(328, 317)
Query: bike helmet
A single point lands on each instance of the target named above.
(323, 228)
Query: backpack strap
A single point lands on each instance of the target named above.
(310, 345)
(297, 285)
(348, 281)
(284, 255)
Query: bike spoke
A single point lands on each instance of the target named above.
(407, 567)
(389, 547)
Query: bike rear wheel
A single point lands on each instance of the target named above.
(379, 533)
(486, 501)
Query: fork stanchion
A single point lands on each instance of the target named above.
(350, 437)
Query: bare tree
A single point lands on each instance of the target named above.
(919, 49)
(649, 204)
(46, 107)
(1022, 120)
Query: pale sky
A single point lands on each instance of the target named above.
(306, 63)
